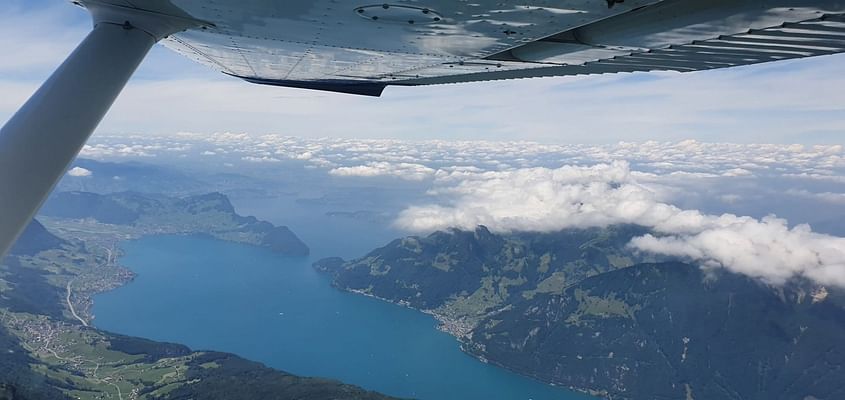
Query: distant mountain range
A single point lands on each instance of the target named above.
(210, 213)
(578, 308)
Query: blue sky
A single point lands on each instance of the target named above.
(789, 102)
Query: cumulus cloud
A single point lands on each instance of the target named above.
(540, 199)
(120, 150)
(261, 159)
(79, 172)
(737, 172)
(654, 161)
(766, 249)
(407, 171)
(543, 199)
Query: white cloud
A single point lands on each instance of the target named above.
(120, 150)
(685, 160)
(539, 199)
(304, 156)
(737, 172)
(407, 171)
(543, 199)
(261, 159)
(79, 172)
(766, 249)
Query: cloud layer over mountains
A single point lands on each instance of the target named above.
(543, 199)
(678, 189)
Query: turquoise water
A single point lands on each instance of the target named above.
(216, 295)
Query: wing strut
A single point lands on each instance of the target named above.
(38, 143)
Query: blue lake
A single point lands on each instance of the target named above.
(216, 295)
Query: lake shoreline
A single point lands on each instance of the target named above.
(462, 334)
(376, 339)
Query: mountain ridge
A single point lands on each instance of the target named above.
(581, 309)
(211, 213)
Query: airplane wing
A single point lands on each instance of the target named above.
(360, 48)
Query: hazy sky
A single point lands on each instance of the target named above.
(789, 102)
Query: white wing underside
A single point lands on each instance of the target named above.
(363, 47)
